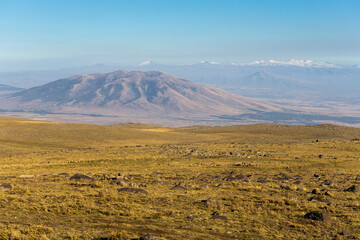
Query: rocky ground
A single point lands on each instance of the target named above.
(237, 186)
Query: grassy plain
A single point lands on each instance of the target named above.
(237, 182)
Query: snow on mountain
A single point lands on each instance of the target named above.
(209, 62)
(146, 63)
(294, 62)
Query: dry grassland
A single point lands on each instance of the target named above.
(238, 182)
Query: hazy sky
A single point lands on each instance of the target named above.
(62, 33)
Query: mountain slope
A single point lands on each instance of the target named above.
(133, 93)
(315, 81)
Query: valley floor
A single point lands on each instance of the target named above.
(238, 182)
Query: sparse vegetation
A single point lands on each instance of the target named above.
(238, 182)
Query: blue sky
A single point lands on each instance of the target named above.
(63, 33)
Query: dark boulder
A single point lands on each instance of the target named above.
(353, 188)
(319, 199)
(218, 216)
(317, 216)
(133, 190)
(178, 187)
(315, 191)
(80, 177)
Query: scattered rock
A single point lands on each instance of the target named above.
(5, 187)
(158, 182)
(315, 191)
(121, 183)
(344, 234)
(149, 237)
(217, 216)
(221, 185)
(133, 185)
(357, 178)
(282, 177)
(327, 182)
(319, 199)
(133, 190)
(261, 180)
(353, 188)
(211, 202)
(178, 187)
(285, 187)
(316, 175)
(317, 216)
(80, 177)
(64, 174)
(187, 226)
(328, 194)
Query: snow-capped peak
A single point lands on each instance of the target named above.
(209, 62)
(294, 62)
(146, 63)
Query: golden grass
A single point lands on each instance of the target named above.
(261, 177)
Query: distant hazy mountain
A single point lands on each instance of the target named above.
(296, 79)
(160, 98)
(7, 88)
(266, 85)
(294, 62)
(134, 93)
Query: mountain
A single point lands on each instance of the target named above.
(158, 98)
(315, 81)
(135, 93)
(7, 88)
(304, 85)
(266, 85)
(295, 62)
(301, 80)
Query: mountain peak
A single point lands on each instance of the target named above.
(147, 63)
(294, 62)
(134, 93)
(209, 62)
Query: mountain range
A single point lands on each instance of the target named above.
(145, 91)
(135, 94)
(301, 79)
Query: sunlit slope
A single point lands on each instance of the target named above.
(22, 133)
(28, 133)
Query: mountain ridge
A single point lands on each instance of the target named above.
(135, 92)
(8, 88)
